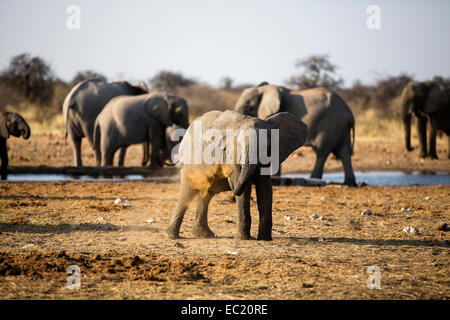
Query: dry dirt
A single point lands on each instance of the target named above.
(122, 252)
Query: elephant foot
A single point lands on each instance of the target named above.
(350, 182)
(203, 232)
(153, 166)
(171, 234)
(244, 237)
(422, 155)
(434, 156)
(265, 237)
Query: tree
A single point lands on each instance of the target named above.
(226, 83)
(169, 81)
(318, 71)
(390, 87)
(85, 75)
(30, 76)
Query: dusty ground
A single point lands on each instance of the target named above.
(370, 154)
(45, 227)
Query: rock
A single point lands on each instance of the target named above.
(178, 245)
(233, 253)
(405, 210)
(320, 239)
(288, 218)
(411, 230)
(150, 220)
(315, 216)
(122, 239)
(428, 198)
(366, 212)
(442, 227)
(30, 245)
(122, 203)
(101, 219)
(323, 198)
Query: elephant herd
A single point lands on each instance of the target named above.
(115, 115)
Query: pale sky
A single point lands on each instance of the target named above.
(248, 40)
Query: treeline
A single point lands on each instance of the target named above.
(30, 80)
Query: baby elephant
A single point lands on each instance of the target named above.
(11, 123)
(229, 151)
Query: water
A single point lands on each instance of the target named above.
(387, 178)
(384, 178)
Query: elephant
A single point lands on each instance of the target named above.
(85, 101)
(206, 178)
(180, 120)
(11, 123)
(328, 117)
(428, 101)
(128, 120)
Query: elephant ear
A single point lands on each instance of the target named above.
(292, 133)
(158, 108)
(434, 101)
(4, 133)
(142, 86)
(270, 101)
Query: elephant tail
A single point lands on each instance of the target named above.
(353, 136)
(97, 138)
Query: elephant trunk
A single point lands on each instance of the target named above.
(25, 130)
(406, 119)
(245, 175)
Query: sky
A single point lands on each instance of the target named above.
(248, 40)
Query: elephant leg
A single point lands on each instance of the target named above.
(263, 186)
(123, 151)
(344, 153)
(432, 143)
(448, 147)
(145, 155)
(201, 229)
(320, 162)
(108, 157)
(155, 140)
(422, 132)
(76, 142)
(186, 196)
(4, 158)
(244, 217)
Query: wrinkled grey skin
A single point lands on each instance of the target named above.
(128, 120)
(84, 102)
(11, 124)
(428, 101)
(180, 118)
(328, 117)
(206, 180)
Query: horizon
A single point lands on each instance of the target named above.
(261, 43)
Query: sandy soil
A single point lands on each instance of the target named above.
(369, 154)
(122, 253)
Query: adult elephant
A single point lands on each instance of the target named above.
(328, 117)
(11, 123)
(84, 102)
(428, 101)
(235, 166)
(128, 120)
